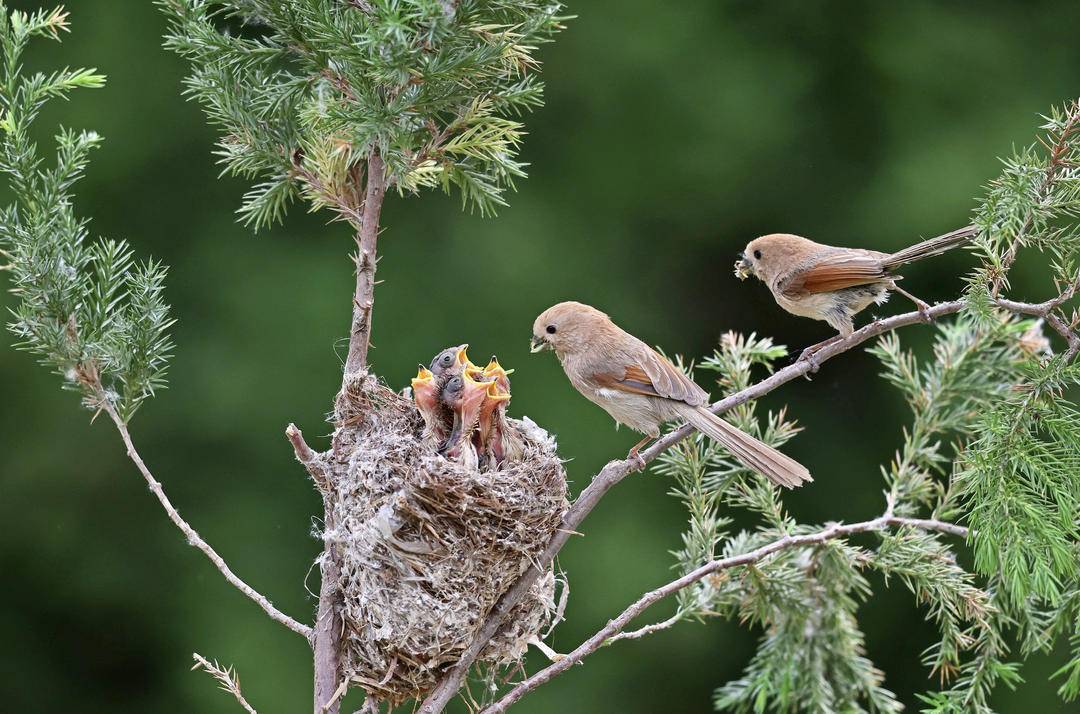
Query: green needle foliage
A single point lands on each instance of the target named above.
(304, 91)
(86, 308)
(994, 443)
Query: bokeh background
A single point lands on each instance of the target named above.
(672, 134)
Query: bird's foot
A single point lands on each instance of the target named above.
(635, 461)
(924, 311)
(810, 355)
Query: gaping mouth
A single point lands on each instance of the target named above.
(743, 269)
(539, 344)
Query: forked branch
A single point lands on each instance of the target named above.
(610, 631)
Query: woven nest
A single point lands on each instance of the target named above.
(427, 545)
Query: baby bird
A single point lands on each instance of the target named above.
(638, 387)
(823, 282)
(501, 443)
(463, 396)
(451, 360)
(426, 395)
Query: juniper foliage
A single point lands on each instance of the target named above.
(305, 91)
(993, 442)
(87, 308)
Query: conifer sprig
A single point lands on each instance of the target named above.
(304, 92)
(86, 308)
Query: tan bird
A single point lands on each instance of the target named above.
(638, 387)
(833, 284)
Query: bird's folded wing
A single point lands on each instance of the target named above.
(835, 272)
(651, 374)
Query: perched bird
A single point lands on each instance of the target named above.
(463, 396)
(638, 387)
(434, 413)
(834, 284)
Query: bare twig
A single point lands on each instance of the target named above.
(193, 538)
(306, 456)
(610, 632)
(227, 679)
(366, 259)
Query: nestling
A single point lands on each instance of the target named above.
(463, 396)
(638, 387)
(833, 284)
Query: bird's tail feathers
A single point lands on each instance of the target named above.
(933, 246)
(750, 452)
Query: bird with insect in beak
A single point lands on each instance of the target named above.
(464, 397)
(832, 284)
(641, 389)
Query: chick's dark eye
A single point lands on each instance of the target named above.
(455, 383)
(447, 359)
(757, 255)
(551, 329)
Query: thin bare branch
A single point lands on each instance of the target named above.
(366, 260)
(227, 679)
(611, 631)
(193, 538)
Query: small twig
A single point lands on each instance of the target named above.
(306, 456)
(612, 630)
(338, 694)
(193, 538)
(227, 679)
(647, 630)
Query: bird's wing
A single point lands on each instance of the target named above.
(651, 374)
(840, 270)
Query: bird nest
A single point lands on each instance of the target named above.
(426, 545)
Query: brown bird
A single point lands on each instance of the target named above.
(638, 387)
(834, 284)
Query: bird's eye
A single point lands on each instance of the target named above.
(757, 255)
(455, 383)
(551, 329)
(447, 359)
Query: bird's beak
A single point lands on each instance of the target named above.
(423, 375)
(743, 267)
(539, 344)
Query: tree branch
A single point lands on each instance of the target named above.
(193, 538)
(366, 260)
(610, 631)
(616, 471)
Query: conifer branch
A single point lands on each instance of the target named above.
(610, 632)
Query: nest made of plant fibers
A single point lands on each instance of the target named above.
(426, 545)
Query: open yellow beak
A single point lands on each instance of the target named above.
(494, 369)
(423, 376)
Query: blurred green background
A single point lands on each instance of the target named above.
(672, 134)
